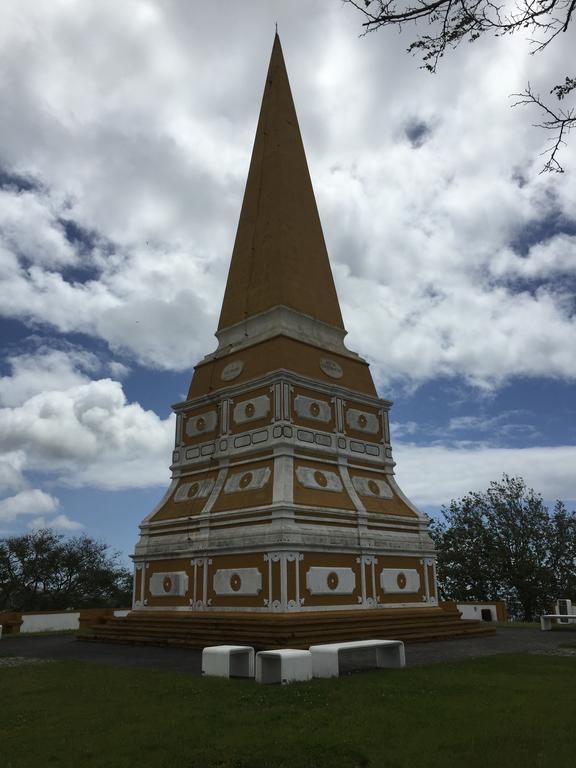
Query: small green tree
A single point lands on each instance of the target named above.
(503, 544)
(45, 571)
(563, 550)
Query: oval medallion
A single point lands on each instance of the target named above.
(232, 370)
(331, 368)
(332, 580)
(373, 487)
(245, 480)
(320, 479)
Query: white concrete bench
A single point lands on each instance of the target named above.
(286, 665)
(228, 661)
(329, 660)
(546, 619)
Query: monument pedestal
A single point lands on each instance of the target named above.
(286, 630)
(284, 525)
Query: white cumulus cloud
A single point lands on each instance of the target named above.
(79, 431)
(435, 474)
(28, 502)
(144, 144)
(59, 523)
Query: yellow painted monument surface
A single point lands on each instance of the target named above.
(283, 521)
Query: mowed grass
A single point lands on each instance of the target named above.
(509, 710)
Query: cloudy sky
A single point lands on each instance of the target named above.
(124, 146)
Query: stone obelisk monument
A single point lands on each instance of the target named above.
(283, 522)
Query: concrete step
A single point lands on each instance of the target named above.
(298, 630)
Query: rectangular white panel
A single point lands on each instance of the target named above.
(362, 421)
(250, 480)
(330, 581)
(172, 584)
(197, 489)
(396, 581)
(368, 486)
(309, 408)
(250, 410)
(318, 479)
(202, 424)
(237, 581)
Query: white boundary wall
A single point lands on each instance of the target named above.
(49, 622)
(474, 612)
(55, 622)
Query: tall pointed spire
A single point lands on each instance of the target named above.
(279, 256)
(283, 517)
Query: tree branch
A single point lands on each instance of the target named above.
(560, 123)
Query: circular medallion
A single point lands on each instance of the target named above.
(249, 410)
(246, 479)
(167, 584)
(193, 490)
(235, 582)
(332, 580)
(362, 420)
(232, 370)
(315, 409)
(320, 479)
(373, 487)
(200, 424)
(401, 580)
(331, 368)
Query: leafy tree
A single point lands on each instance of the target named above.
(504, 544)
(451, 22)
(45, 571)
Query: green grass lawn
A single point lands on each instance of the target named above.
(513, 710)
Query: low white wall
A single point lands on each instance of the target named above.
(122, 613)
(474, 612)
(49, 622)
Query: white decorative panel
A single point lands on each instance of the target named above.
(330, 581)
(362, 421)
(237, 581)
(305, 436)
(173, 584)
(250, 480)
(331, 368)
(199, 425)
(367, 486)
(198, 489)
(250, 410)
(319, 479)
(232, 370)
(398, 580)
(309, 408)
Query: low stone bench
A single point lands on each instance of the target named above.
(331, 659)
(286, 665)
(228, 661)
(546, 619)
